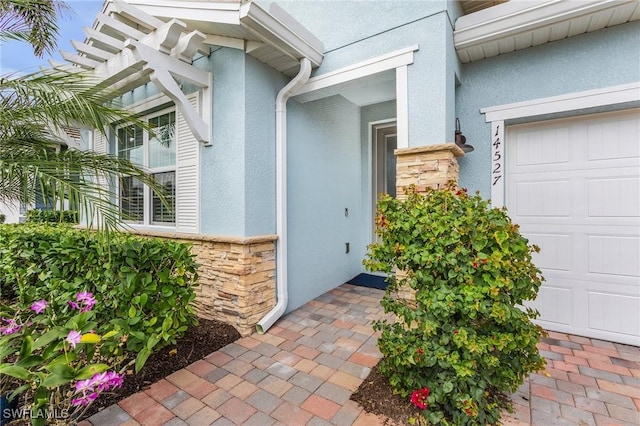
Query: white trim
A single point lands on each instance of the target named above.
(231, 42)
(371, 66)
(563, 103)
(497, 164)
(478, 34)
(497, 115)
(149, 103)
(402, 106)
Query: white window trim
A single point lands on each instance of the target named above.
(497, 115)
(147, 222)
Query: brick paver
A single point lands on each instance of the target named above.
(304, 369)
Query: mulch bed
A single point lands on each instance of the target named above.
(376, 396)
(197, 342)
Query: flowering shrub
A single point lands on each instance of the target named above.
(146, 285)
(46, 348)
(465, 340)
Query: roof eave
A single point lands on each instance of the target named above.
(516, 25)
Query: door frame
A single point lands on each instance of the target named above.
(376, 129)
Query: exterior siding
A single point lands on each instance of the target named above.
(600, 59)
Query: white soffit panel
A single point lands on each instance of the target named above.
(518, 24)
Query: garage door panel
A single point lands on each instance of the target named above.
(617, 313)
(557, 252)
(610, 139)
(543, 198)
(573, 186)
(613, 197)
(555, 304)
(613, 255)
(548, 146)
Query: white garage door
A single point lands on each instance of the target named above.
(574, 187)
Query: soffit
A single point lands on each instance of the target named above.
(520, 24)
(470, 6)
(272, 37)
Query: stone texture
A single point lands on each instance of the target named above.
(236, 277)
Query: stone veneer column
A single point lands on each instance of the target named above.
(426, 166)
(237, 277)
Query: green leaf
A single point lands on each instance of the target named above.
(90, 370)
(27, 346)
(132, 312)
(141, 359)
(15, 371)
(47, 338)
(167, 323)
(62, 370)
(54, 380)
(30, 361)
(447, 387)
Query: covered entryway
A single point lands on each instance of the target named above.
(574, 187)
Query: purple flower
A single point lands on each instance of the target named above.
(86, 301)
(39, 306)
(73, 338)
(11, 327)
(85, 399)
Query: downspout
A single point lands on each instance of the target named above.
(282, 295)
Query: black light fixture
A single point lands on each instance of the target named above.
(461, 140)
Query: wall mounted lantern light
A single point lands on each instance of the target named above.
(461, 140)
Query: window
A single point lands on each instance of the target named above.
(156, 151)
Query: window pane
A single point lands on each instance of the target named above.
(131, 199)
(162, 146)
(161, 213)
(130, 144)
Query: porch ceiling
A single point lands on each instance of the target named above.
(517, 25)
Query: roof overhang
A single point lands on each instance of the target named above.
(520, 24)
(134, 42)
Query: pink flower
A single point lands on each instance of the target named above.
(85, 300)
(91, 388)
(39, 306)
(73, 338)
(85, 400)
(11, 327)
(418, 398)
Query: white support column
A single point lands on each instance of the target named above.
(402, 106)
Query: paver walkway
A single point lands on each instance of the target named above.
(304, 369)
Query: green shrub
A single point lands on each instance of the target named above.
(465, 340)
(145, 286)
(52, 216)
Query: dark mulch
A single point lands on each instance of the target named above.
(376, 396)
(198, 342)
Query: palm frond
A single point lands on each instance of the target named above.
(34, 21)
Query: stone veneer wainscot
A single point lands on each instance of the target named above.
(236, 277)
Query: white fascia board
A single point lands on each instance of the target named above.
(268, 28)
(563, 103)
(516, 17)
(224, 13)
(372, 66)
(231, 42)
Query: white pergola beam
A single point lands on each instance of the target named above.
(177, 68)
(81, 61)
(169, 87)
(90, 52)
(188, 45)
(136, 15)
(168, 35)
(120, 28)
(103, 41)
